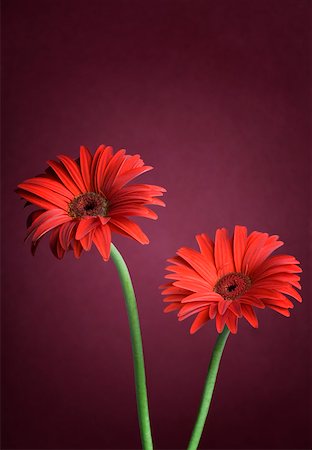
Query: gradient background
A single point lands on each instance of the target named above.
(214, 95)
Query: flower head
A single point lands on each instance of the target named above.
(229, 278)
(81, 202)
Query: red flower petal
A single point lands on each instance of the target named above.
(112, 171)
(49, 224)
(102, 240)
(223, 253)
(128, 176)
(85, 225)
(52, 185)
(87, 240)
(205, 269)
(232, 322)
(134, 210)
(239, 246)
(282, 311)
(99, 168)
(129, 228)
(64, 177)
(250, 315)
(255, 243)
(77, 247)
(74, 171)
(212, 297)
(31, 198)
(172, 307)
(220, 322)
(66, 234)
(45, 193)
(199, 321)
(85, 166)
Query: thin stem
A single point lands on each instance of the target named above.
(208, 389)
(137, 348)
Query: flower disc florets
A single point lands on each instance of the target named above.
(89, 204)
(232, 285)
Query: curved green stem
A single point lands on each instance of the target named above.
(208, 389)
(137, 348)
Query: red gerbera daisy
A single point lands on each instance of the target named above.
(83, 201)
(228, 278)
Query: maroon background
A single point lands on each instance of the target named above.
(214, 95)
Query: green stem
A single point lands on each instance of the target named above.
(137, 348)
(208, 389)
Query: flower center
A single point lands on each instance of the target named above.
(89, 204)
(232, 285)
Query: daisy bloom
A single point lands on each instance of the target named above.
(231, 277)
(83, 201)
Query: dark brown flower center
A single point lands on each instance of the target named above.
(232, 285)
(89, 204)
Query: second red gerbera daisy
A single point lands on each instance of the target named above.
(229, 278)
(82, 202)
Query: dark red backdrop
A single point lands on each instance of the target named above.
(215, 95)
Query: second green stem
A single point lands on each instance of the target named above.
(208, 389)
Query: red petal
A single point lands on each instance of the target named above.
(35, 200)
(45, 193)
(74, 171)
(220, 322)
(130, 228)
(232, 321)
(192, 312)
(52, 185)
(186, 309)
(99, 170)
(282, 311)
(77, 247)
(112, 171)
(85, 166)
(285, 288)
(102, 154)
(223, 306)
(275, 262)
(128, 176)
(173, 298)
(85, 226)
(133, 210)
(255, 244)
(250, 315)
(55, 245)
(223, 253)
(211, 297)
(172, 307)
(213, 309)
(205, 269)
(239, 246)
(206, 246)
(102, 240)
(33, 216)
(251, 300)
(200, 320)
(86, 241)
(66, 234)
(44, 217)
(64, 177)
(193, 285)
(49, 224)
(235, 307)
(174, 290)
